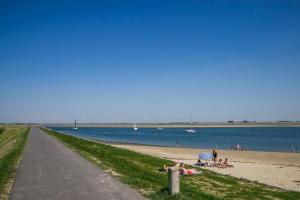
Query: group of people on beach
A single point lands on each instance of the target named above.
(215, 163)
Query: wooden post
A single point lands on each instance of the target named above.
(173, 180)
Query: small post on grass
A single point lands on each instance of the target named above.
(173, 180)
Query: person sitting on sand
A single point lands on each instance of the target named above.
(226, 164)
(184, 171)
(220, 163)
(202, 164)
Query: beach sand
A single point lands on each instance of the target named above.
(277, 169)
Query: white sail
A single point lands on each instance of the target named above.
(135, 127)
(75, 125)
(190, 130)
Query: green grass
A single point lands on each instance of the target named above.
(12, 141)
(141, 173)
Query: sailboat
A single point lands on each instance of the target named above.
(75, 126)
(134, 127)
(190, 130)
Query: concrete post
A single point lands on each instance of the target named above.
(173, 180)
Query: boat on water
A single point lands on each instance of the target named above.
(190, 130)
(135, 128)
(75, 126)
(160, 128)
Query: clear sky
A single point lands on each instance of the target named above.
(147, 61)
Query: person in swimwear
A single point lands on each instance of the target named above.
(226, 164)
(202, 164)
(184, 171)
(215, 156)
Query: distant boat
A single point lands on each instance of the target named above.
(190, 130)
(75, 126)
(160, 128)
(134, 127)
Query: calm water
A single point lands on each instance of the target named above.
(260, 139)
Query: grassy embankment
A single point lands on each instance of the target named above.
(141, 172)
(12, 142)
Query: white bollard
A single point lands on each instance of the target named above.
(173, 180)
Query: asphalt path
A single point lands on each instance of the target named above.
(50, 170)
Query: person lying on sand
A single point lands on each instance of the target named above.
(226, 164)
(184, 171)
(202, 164)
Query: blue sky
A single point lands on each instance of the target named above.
(148, 61)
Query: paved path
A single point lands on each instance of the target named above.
(49, 170)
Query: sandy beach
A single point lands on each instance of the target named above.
(277, 169)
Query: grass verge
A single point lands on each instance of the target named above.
(141, 173)
(12, 142)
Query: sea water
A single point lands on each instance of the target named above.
(282, 139)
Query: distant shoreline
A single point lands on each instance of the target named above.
(179, 125)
